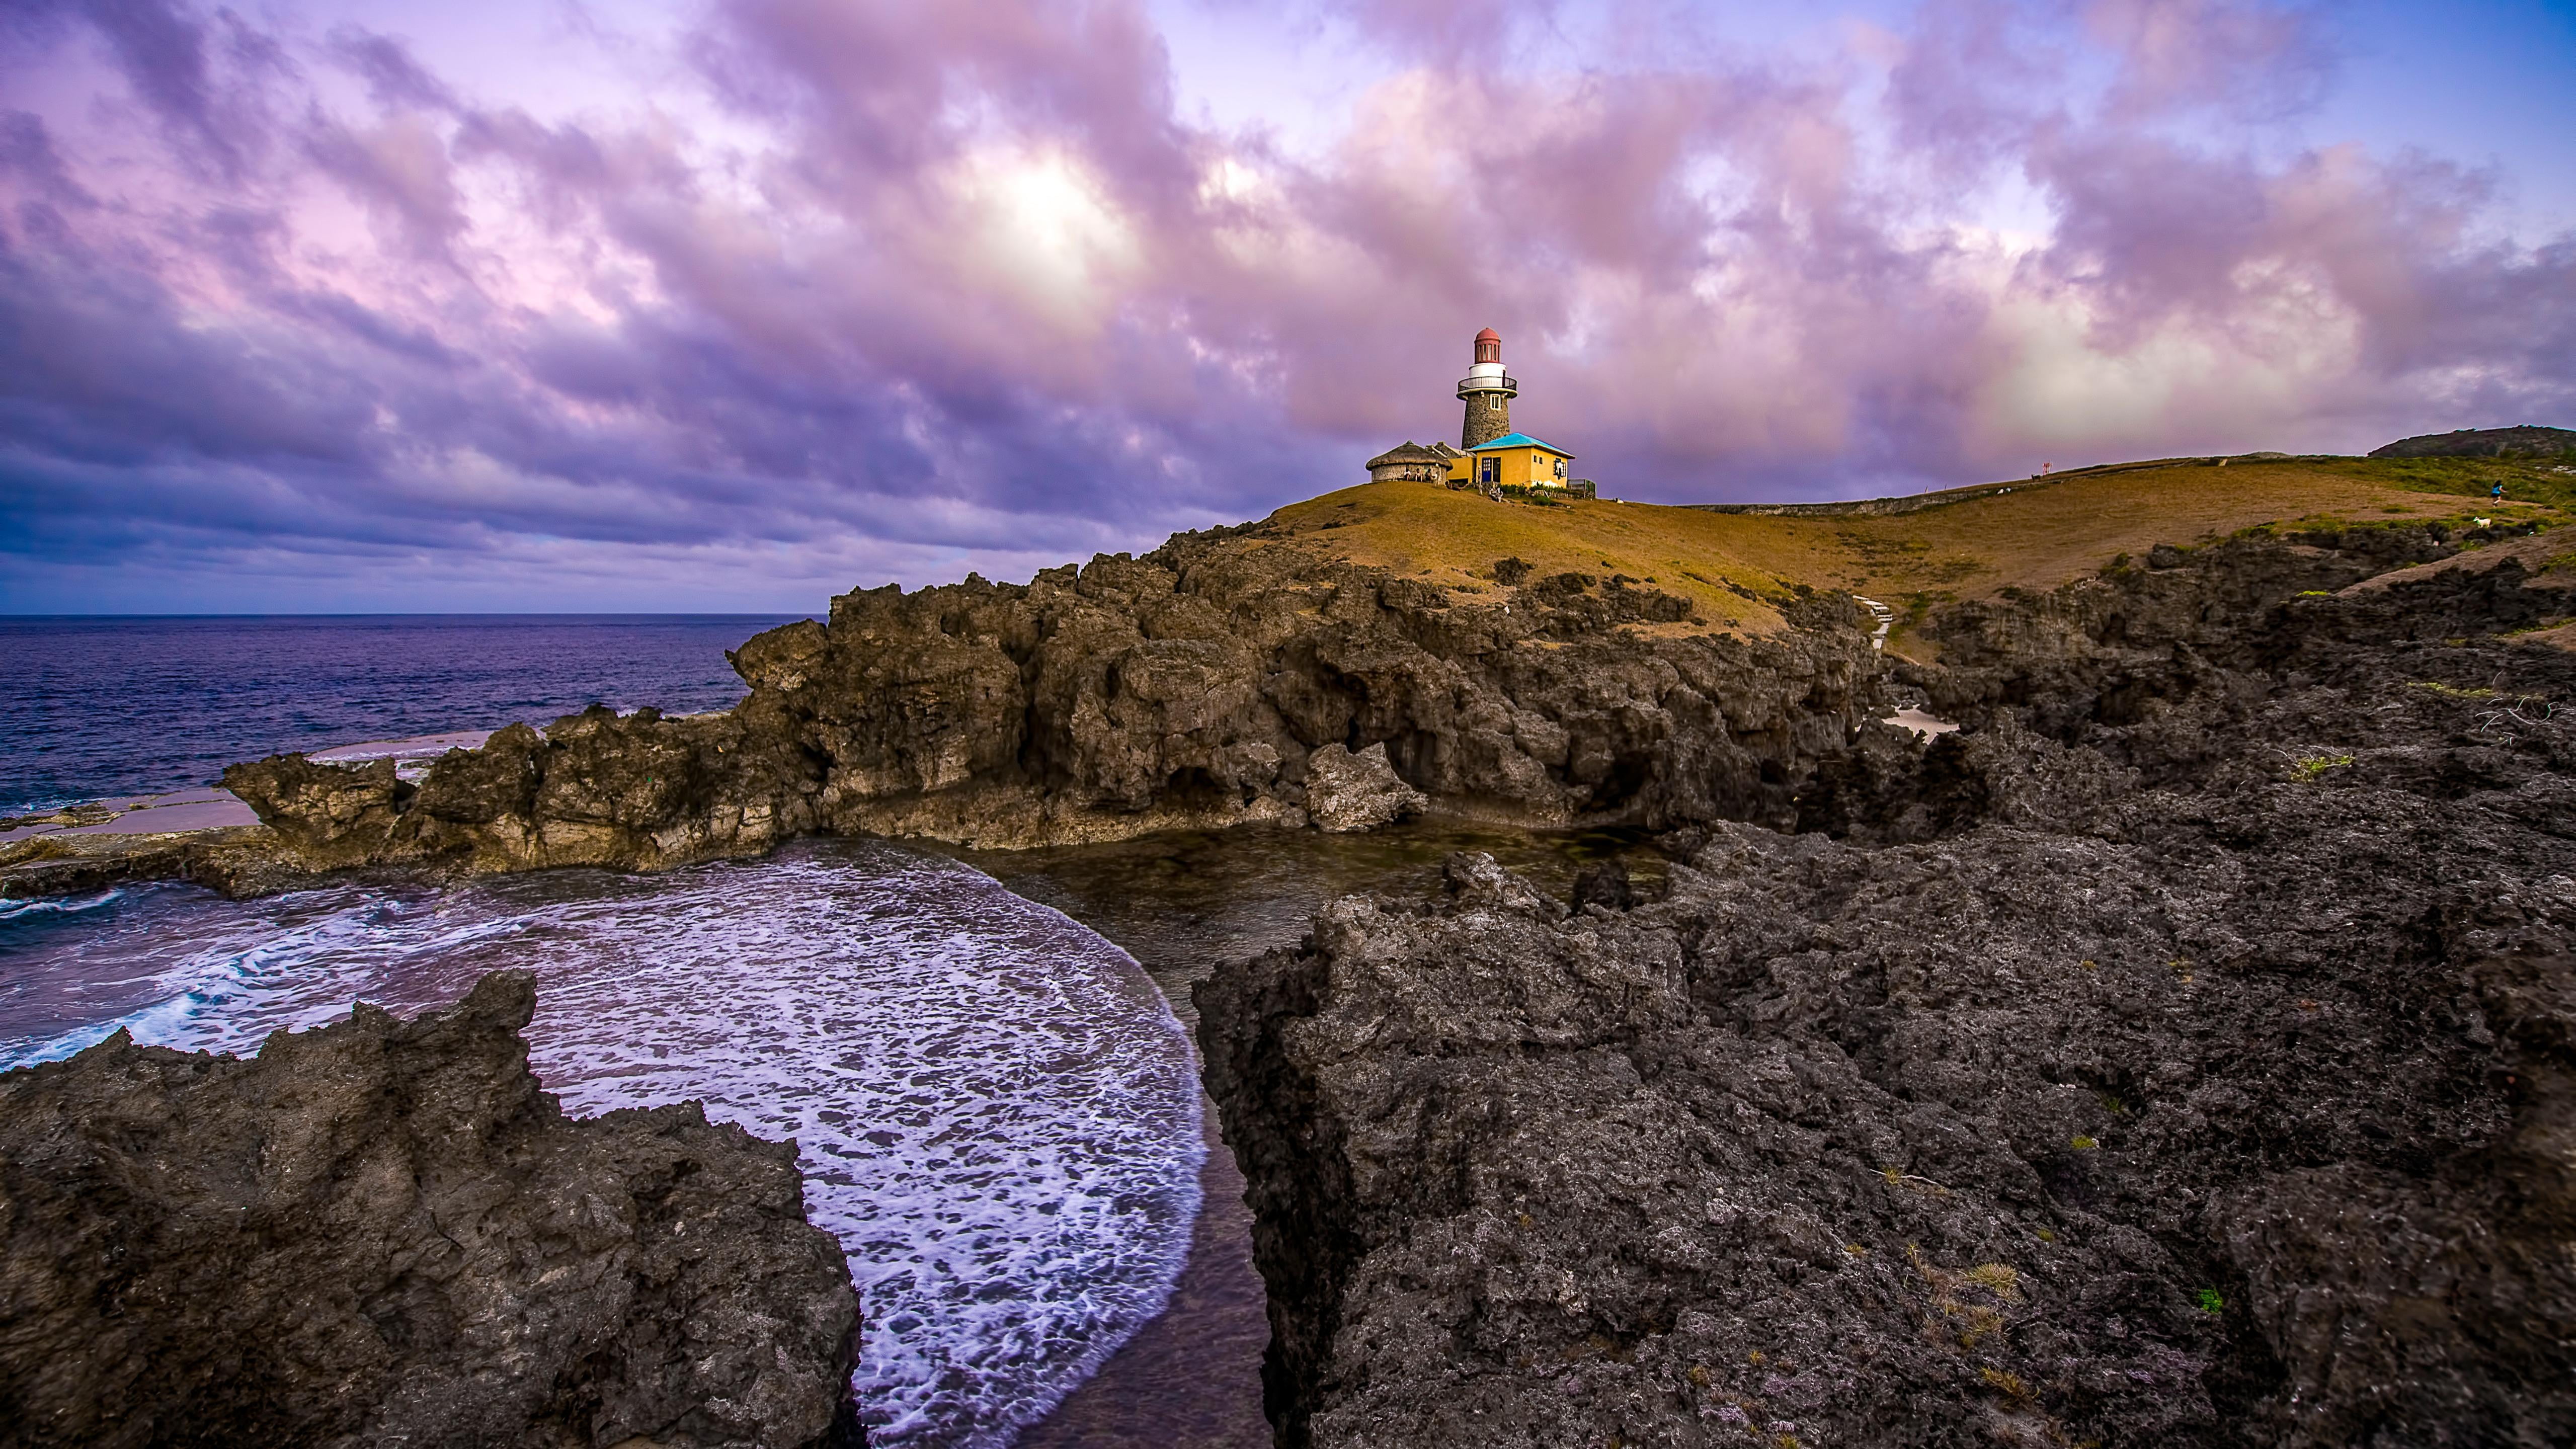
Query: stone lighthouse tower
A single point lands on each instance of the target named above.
(1487, 392)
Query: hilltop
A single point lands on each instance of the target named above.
(2033, 535)
(2526, 441)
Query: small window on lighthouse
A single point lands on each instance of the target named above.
(1493, 402)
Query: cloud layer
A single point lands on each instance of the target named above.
(839, 290)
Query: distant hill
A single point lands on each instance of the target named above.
(1738, 566)
(2527, 441)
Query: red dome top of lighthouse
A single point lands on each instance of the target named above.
(1489, 335)
(1489, 346)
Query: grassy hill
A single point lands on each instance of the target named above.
(1964, 544)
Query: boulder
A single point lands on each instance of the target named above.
(384, 1232)
(328, 814)
(1349, 792)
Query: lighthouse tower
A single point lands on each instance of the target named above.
(1488, 393)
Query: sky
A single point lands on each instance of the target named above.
(732, 305)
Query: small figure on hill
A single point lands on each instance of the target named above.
(2497, 492)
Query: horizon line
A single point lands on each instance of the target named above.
(10, 616)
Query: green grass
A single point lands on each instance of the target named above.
(2526, 480)
(2032, 539)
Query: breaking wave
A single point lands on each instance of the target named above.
(996, 1108)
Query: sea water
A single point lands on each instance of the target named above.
(996, 1108)
(93, 707)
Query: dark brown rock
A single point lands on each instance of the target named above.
(383, 1232)
(327, 815)
(2184, 1054)
(637, 791)
(1191, 687)
(241, 860)
(1347, 792)
(1605, 885)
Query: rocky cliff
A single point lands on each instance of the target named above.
(1191, 687)
(2183, 1054)
(382, 1232)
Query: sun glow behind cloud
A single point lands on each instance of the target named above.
(1037, 226)
(696, 301)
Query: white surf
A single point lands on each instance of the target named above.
(996, 1108)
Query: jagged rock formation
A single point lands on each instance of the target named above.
(1347, 792)
(1192, 687)
(382, 1232)
(2526, 441)
(2183, 1054)
(596, 788)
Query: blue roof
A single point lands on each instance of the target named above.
(1520, 440)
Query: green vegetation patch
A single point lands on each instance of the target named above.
(2525, 480)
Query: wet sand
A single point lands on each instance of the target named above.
(1182, 904)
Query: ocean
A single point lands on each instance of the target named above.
(98, 707)
(998, 1111)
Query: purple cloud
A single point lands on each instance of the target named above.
(882, 288)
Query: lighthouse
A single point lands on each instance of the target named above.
(1488, 392)
(1490, 458)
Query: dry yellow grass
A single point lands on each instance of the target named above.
(1455, 539)
(2037, 536)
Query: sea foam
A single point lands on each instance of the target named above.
(995, 1107)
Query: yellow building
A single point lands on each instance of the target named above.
(1514, 460)
(1490, 457)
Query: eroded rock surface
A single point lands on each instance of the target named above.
(638, 791)
(383, 1232)
(2183, 1054)
(1193, 687)
(1347, 792)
